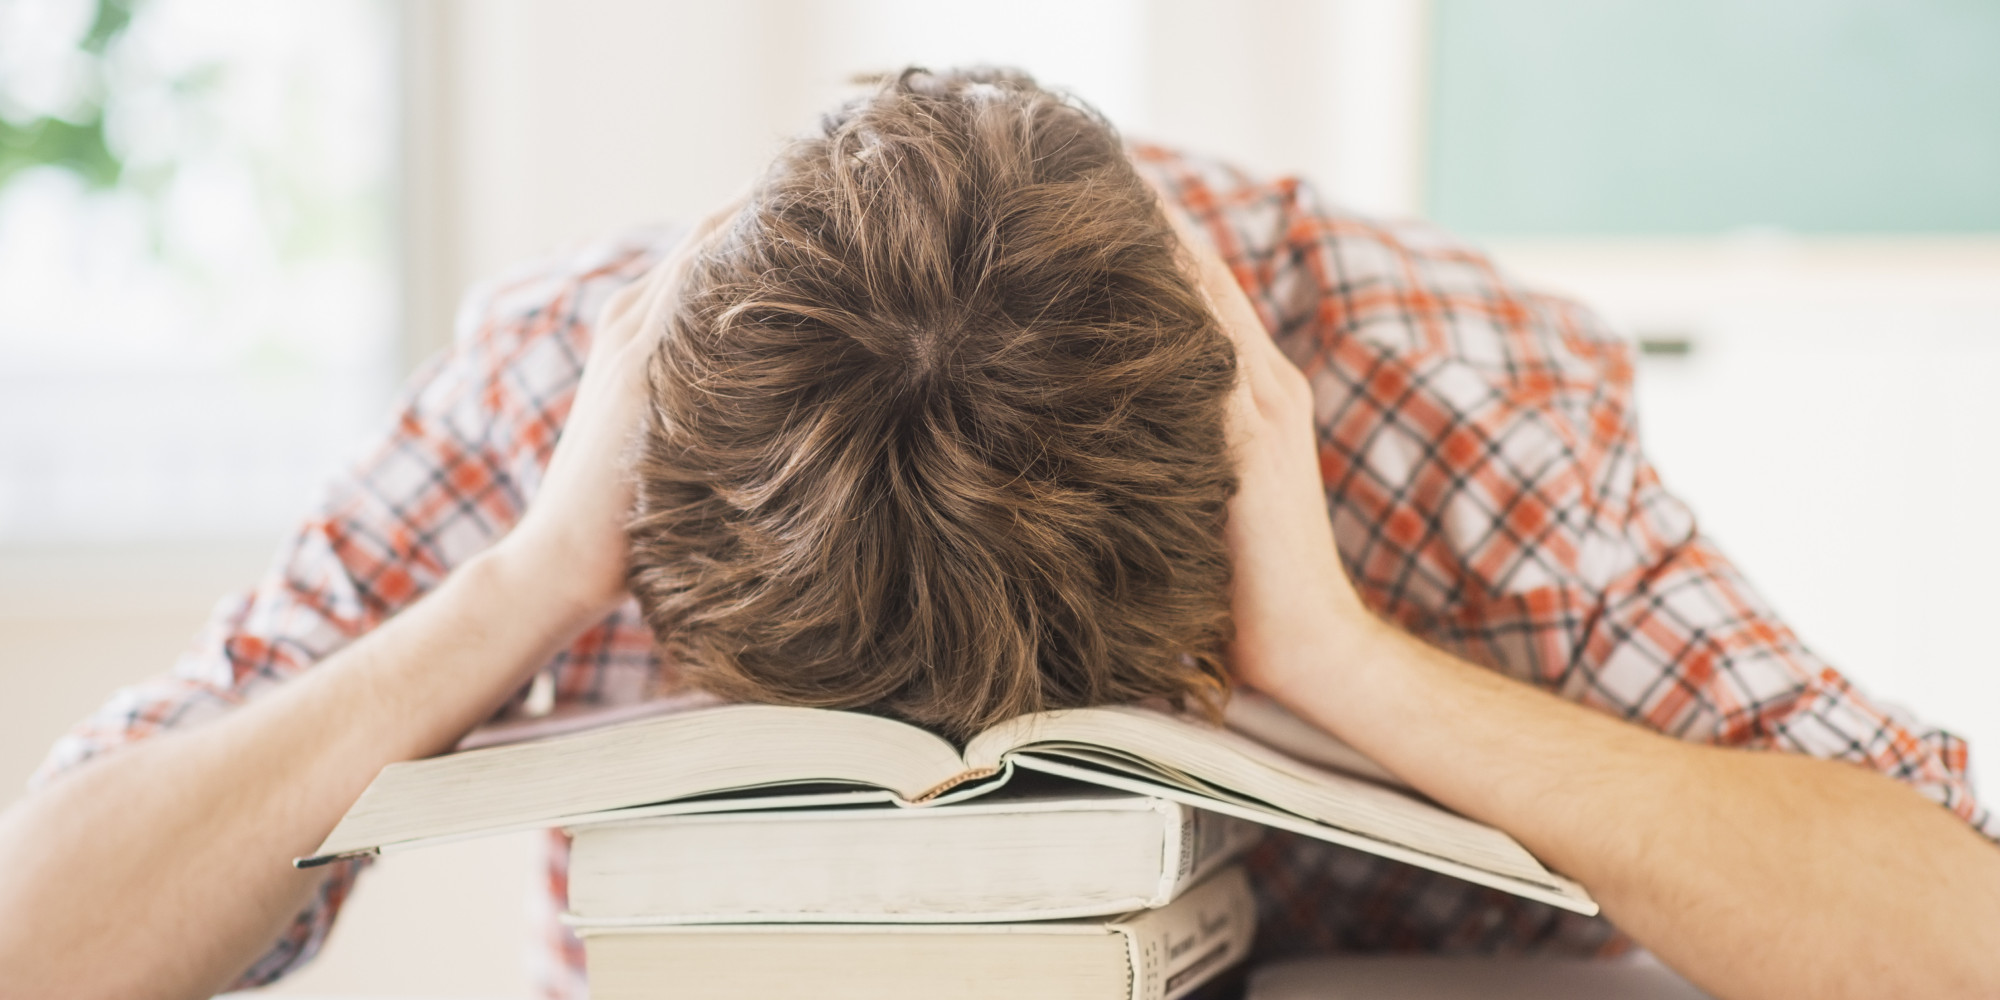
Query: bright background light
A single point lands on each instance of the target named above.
(190, 338)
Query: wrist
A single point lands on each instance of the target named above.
(541, 577)
(1326, 652)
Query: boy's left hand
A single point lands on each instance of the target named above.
(1289, 593)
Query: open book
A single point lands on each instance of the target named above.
(736, 757)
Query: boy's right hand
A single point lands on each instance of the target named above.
(571, 540)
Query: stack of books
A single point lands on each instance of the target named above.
(756, 851)
(1052, 893)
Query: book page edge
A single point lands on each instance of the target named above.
(684, 807)
(1563, 892)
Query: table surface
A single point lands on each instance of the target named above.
(1474, 978)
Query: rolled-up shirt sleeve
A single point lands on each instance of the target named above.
(1575, 568)
(1488, 490)
(447, 478)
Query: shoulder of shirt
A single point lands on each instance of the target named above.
(1271, 207)
(1276, 223)
(1262, 207)
(567, 285)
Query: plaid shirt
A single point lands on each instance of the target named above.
(1482, 471)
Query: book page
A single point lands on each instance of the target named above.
(1257, 716)
(1563, 893)
(1228, 766)
(639, 763)
(579, 718)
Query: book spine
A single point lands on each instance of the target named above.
(1198, 842)
(1177, 948)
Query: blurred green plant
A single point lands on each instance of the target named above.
(75, 143)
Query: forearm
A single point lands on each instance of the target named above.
(163, 869)
(1756, 874)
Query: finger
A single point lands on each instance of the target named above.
(664, 282)
(1217, 285)
(616, 320)
(1192, 244)
(704, 233)
(1212, 275)
(1271, 385)
(1256, 353)
(717, 219)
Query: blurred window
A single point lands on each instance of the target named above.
(1565, 117)
(197, 296)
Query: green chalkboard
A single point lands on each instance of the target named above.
(1613, 117)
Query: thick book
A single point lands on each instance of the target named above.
(1168, 953)
(741, 757)
(1063, 851)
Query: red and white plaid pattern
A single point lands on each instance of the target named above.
(1482, 471)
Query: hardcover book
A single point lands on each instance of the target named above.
(1062, 851)
(1171, 953)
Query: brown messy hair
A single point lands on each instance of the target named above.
(936, 427)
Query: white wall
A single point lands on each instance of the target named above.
(545, 123)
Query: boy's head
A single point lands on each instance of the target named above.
(937, 426)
